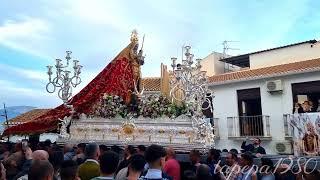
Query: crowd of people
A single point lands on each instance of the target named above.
(49, 161)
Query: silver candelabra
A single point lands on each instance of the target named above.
(189, 84)
(63, 79)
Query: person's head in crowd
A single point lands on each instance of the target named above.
(40, 145)
(116, 149)
(47, 142)
(109, 163)
(141, 149)
(246, 159)
(194, 156)
(67, 148)
(189, 175)
(56, 158)
(4, 147)
(40, 170)
(69, 170)
(92, 151)
(80, 148)
(256, 141)
(203, 172)
(2, 172)
(40, 155)
(47, 145)
(103, 148)
(266, 165)
(231, 158)
(4, 151)
(136, 166)
(129, 151)
(155, 156)
(18, 146)
(170, 153)
(306, 106)
(214, 155)
(225, 150)
(234, 151)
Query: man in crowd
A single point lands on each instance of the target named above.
(247, 169)
(80, 156)
(141, 149)
(213, 162)
(90, 168)
(40, 170)
(68, 152)
(38, 155)
(134, 169)
(155, 157)
(69, 170)
(108, 165)
(194, 156)
(172, 166)
(15, 161)
(128, 152)
(254, 148)
(233, 167)
(203, 172)
(103, 148)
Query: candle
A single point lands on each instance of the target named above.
(174, 60)
(75, 62)
(49, 70)
(68, 55)
(58, 63)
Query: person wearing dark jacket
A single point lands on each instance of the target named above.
(255, 147)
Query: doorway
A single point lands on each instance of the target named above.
(250, 112)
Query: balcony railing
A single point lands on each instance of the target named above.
(288, 128)
(244, 126)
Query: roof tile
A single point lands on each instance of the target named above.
(295, 67)
(30, 115)
(151, 83)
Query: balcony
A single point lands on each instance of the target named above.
(288, 129)
(249, 126)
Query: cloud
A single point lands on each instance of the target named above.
(25, 34)
(13, 94)
(27, 74)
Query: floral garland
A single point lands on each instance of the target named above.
(153, 106)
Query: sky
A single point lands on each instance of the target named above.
(34, 33)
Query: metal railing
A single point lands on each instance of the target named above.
(288, 130)
(243, 126)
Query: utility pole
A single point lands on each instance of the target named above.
(227, 47)
(6, 116)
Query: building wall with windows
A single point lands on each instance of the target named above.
(274, 105)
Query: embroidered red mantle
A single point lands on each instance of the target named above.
(116, 78)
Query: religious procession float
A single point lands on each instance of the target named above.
(113, 109)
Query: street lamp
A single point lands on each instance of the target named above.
(65, 79)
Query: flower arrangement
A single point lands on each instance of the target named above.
(153, 106)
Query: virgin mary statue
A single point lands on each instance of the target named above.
(120, 77)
